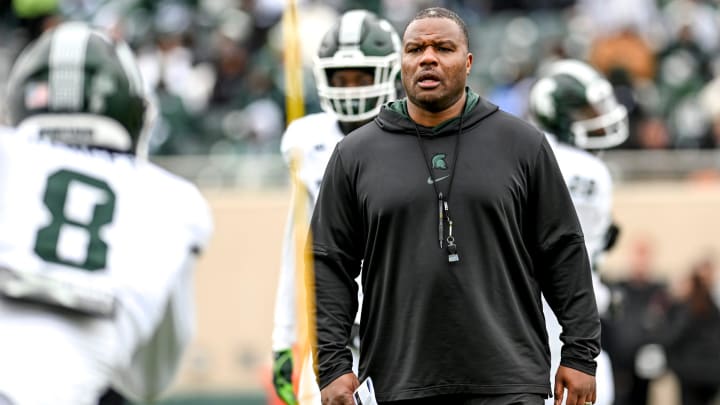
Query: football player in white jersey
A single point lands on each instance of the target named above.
(97, 245)
(356, 71)
(577, 109)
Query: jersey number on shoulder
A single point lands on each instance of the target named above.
(79, 206)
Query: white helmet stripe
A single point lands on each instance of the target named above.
(351, 27)
(576, 69)
(67, 61)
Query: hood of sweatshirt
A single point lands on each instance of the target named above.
(394, 118)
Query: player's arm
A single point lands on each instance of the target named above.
(156, 362)
(285, 316)
(157, 358)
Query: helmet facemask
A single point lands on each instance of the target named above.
(364, 42)
(362, 102)
(606, 124)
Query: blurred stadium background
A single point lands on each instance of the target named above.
(215, 69)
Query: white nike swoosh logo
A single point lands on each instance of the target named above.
(431, 181)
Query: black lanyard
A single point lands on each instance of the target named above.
(443, 206)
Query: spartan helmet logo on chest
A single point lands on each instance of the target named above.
(438, 161)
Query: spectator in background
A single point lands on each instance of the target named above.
(693, 335)
(651, 132)
(635, 320)
(625, 49)
(179, 85)
(231, 65)
(608, 17)
(648, 129)
(699, 17)
(683, 69)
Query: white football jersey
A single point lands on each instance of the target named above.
(311, 140)
(107, 243)
(590, 184)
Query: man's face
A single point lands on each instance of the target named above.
(435, 63)
(351, 78)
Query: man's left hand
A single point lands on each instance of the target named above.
(580, 387)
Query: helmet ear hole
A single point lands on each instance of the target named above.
(362, 42)
(76, 80)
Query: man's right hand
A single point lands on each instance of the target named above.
(340, 391)
(282, 376)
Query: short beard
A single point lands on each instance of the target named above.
(435, 105)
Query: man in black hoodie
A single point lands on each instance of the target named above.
(458, 216)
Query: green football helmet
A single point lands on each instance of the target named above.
(576, 104)
(77, 86)
(359, 40)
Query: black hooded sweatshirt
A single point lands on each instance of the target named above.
(430, 326)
